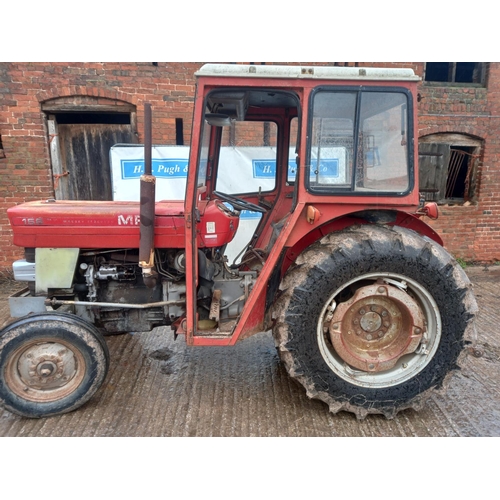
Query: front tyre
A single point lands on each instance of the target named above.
(50, 364)
(372, 318)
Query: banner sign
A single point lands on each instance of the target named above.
(244, 169)
(169, 166)
(266, 169)
(161, 168)
(241, 170)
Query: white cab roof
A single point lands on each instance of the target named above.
(309, 72)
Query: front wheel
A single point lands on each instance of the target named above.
(50, 364)
(372, 318)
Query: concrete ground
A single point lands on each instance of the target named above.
(160, 387)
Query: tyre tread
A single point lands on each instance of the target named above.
(339, 248)
(80, 329)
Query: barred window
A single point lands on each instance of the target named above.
(448, 167)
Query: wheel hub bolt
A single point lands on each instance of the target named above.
(46, 369)
(381, 289)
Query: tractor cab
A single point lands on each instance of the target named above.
(294, 152)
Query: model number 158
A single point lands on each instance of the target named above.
(31, 221)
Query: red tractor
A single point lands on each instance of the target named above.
(368, 311)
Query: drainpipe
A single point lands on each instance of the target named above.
(147, 207)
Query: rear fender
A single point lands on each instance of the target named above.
(382, 217)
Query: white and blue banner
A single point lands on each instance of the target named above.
(169, 166)
(241, 170)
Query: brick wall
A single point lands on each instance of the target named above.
(471, 232)
(24, 87)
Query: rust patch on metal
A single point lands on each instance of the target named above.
(377, 326)
(45, 371)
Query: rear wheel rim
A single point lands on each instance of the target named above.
(408, 365)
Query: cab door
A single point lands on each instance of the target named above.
(201, 160)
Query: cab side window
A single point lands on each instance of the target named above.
(247, 161)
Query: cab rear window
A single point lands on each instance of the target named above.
(359, 142)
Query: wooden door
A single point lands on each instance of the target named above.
(85, 165)
(433, 159)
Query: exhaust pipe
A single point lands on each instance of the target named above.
(147, 207)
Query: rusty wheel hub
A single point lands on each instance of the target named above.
(376, 327)
(45, 371)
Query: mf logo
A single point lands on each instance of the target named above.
(128, 220)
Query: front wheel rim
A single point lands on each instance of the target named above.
(408, 365)
(44, 371)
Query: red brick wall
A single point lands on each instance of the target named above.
(25, 172)
(471, 232)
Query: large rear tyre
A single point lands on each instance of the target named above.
(50, 363)
(373, 318)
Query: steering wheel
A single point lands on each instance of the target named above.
(239, 203)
